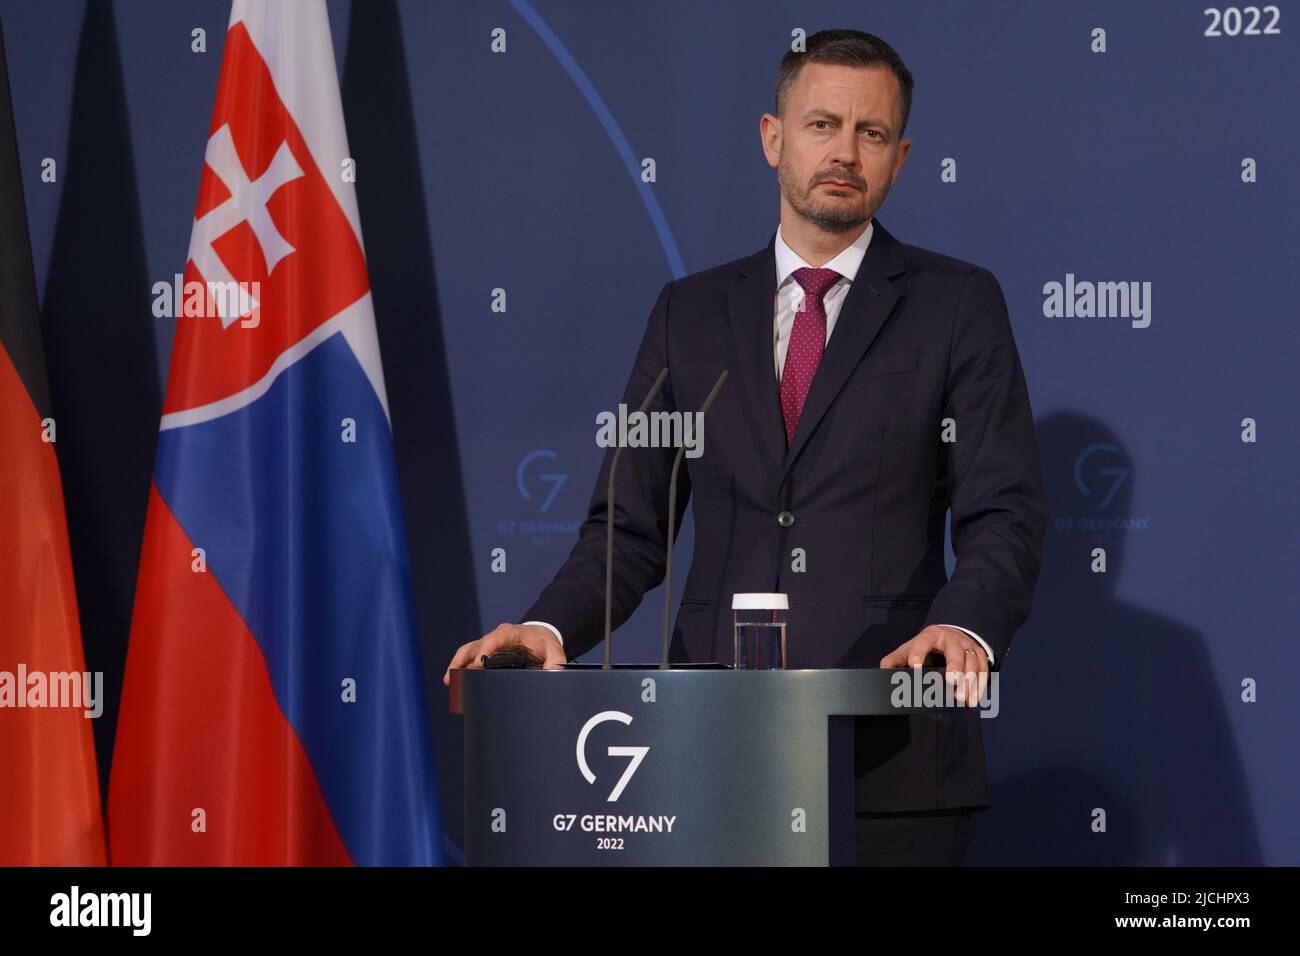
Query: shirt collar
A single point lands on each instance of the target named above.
(846, 263)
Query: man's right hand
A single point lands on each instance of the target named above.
(537, 641)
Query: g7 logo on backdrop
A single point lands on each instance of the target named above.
(1117, 474)
(554, 479)
(636, 753)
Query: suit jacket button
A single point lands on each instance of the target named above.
(785, 519)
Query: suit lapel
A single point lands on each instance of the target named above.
(750, 305)
(871, 297)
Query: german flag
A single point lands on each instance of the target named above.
(50, 813)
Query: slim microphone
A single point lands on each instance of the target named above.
(609, 522)
(672, 513)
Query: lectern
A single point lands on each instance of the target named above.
(640, 766)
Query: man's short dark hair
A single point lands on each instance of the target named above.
(846, 48)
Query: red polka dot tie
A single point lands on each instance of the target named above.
(807, 339)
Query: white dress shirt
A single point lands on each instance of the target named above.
(789, 299)
(789, 293)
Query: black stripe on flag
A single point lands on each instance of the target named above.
(20, 327)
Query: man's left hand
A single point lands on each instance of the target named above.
(967, 664)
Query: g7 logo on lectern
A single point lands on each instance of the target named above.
(636, 753)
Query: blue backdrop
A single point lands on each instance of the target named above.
(1107, 141)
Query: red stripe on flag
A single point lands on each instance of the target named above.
(50, 813)
(200, 729)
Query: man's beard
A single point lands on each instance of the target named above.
(833, 216)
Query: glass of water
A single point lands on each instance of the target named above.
(759, 631)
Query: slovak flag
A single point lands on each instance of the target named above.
(274, 710)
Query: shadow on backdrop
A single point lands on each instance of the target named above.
(99, 342)
(399, 252)
(1107, 704)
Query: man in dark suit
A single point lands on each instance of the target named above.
(875, 385)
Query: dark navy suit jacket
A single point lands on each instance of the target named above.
(920, 338)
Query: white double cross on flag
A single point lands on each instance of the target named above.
(246, 203)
